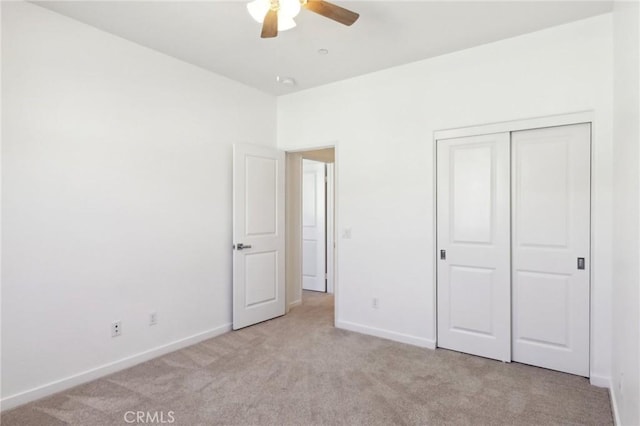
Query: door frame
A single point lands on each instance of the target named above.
(336, 215)
(330, 222)
(579, 117)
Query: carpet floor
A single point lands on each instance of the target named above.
(300, 370)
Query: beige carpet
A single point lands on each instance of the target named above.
(299, 370)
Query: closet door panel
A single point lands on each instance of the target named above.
(473, 242)
(551, 221)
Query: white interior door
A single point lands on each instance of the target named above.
(313, 226)
(258, 234)
(474, 248)
(551, 205)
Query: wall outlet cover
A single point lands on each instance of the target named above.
(116, 328)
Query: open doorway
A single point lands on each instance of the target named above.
(310, 223)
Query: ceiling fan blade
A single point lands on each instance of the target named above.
(332, 11)
(270, 24)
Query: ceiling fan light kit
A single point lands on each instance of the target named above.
(286, 9)
(277, 15)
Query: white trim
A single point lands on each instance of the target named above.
(387, 334)
(331, 231)
(434, 257)
(592, 257)
(336, 227)
(295, 303)
(308, 148)
(112, 367)
(614, 407)
(600, 381)
(516, 125)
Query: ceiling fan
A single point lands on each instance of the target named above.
(277, 15)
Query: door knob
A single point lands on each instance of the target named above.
(241, 246)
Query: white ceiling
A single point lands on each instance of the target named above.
(221, 36)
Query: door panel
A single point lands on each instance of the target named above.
(552, 291)
(258, 224)
(313, 226)
(261, 275)
(551, 220)
(472, 191)
(470, 292)
(473, 230)
(261, 195)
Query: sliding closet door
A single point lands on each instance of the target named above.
(473, 245)
(550, 239)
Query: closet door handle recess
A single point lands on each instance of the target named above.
(581, 263)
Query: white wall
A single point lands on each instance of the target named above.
(383, 124)
(117, 185)
(626, 211)
(116, 198)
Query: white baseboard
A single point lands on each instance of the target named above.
(600, 381)
(387, 334)
(605, 382)
(614, 407)
(21, 398)
(295, 303)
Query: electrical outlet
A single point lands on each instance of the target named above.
(116, 329)
(375, 304)
(153, 318)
